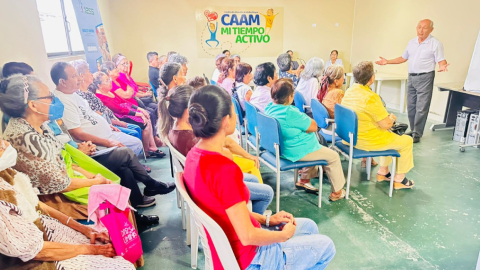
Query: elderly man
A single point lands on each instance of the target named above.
(424, 52)
(83, 123)
(180, 59)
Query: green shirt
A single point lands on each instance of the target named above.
(297, 143)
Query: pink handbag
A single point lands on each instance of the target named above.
(125, 238)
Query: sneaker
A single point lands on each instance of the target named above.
(163, 188)
(147, 202)
(146, 220)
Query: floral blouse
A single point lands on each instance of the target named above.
(96, 104)
(285, 74)
(39, 156)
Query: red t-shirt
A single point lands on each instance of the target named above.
(215, 183)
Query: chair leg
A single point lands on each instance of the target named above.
(144, 155)
(369, 168)
(278, 189)
(394, 169)
(194, 244)
(295, 177)
(179, 199)
(350, 161)
(188, 224)
(320, 183)
(182, 203)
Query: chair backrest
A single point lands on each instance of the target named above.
(251, 115)
(204, 223)
(212, 82)
(320, 113)
(238, 111)
(299, 101)
(270, 133)
(177, 158)
(346, 122)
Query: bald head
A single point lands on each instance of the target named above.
(424, 28)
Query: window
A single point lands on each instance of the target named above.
(60, 28)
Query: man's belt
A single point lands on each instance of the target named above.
(418, 74)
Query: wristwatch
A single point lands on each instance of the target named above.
(267, 222)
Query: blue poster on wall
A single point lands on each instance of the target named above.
(92, 32)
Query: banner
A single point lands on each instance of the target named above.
(249, 32)
(92, 32)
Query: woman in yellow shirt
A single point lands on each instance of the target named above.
(374, 123)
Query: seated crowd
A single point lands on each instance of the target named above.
(59, 143)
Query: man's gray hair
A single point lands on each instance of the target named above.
(80, 65)
(12, 94)
(235, 55)
(284, 62)
(219, 56)
(177, 58)
(313, 68)
(151, 55)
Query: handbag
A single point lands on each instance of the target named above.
(125, 238)
(399, 128)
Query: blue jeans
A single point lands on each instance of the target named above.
(261, 195)
(132, 130)
(305, 250)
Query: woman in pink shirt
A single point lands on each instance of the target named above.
(215, 184)
(227, 75)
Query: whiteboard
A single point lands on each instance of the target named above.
(472, 83)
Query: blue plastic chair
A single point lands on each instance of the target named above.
(250, 123)
(300, 102)
(269, 136)
(154, 90)
(346, 126)
(212, 82)
(321, 116)
(240, 122)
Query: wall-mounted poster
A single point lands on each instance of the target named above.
(249, 32)
(93, 34)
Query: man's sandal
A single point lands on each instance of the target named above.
(404, 184)
(381, 178)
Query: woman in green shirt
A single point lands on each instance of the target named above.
(299, 140)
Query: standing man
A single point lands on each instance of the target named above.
(424, 52)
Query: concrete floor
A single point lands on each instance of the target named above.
(434, 226)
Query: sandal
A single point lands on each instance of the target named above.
(147, 169)
(404, 184)
(308, 187)
(156, 154)
(364, 163)
(381, 178)
(342, 195)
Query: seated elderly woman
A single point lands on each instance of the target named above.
(241, 89)
(374, 123)
(218, 62)
(236, 58)
(36, 236)
(124, 110)
(86, 79)
(300, 142)
(216, 185)
(284, 62)
(179, 59)
(265, 76)
(174, 125)
(196, 82)
(309, 84)
(227, 75)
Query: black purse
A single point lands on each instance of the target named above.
(399, 128)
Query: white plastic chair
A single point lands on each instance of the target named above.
(203, 223)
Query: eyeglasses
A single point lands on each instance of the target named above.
(51, 97)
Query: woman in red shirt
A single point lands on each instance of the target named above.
(215, 184)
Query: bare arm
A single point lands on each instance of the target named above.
(125, 94)
(79, 135)
(442, 66)
(383, 61)
(387, 122)
(249, 235)
(313, 127)
(77, 183)
(248, 95)
(236, 149)
(53, 251)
